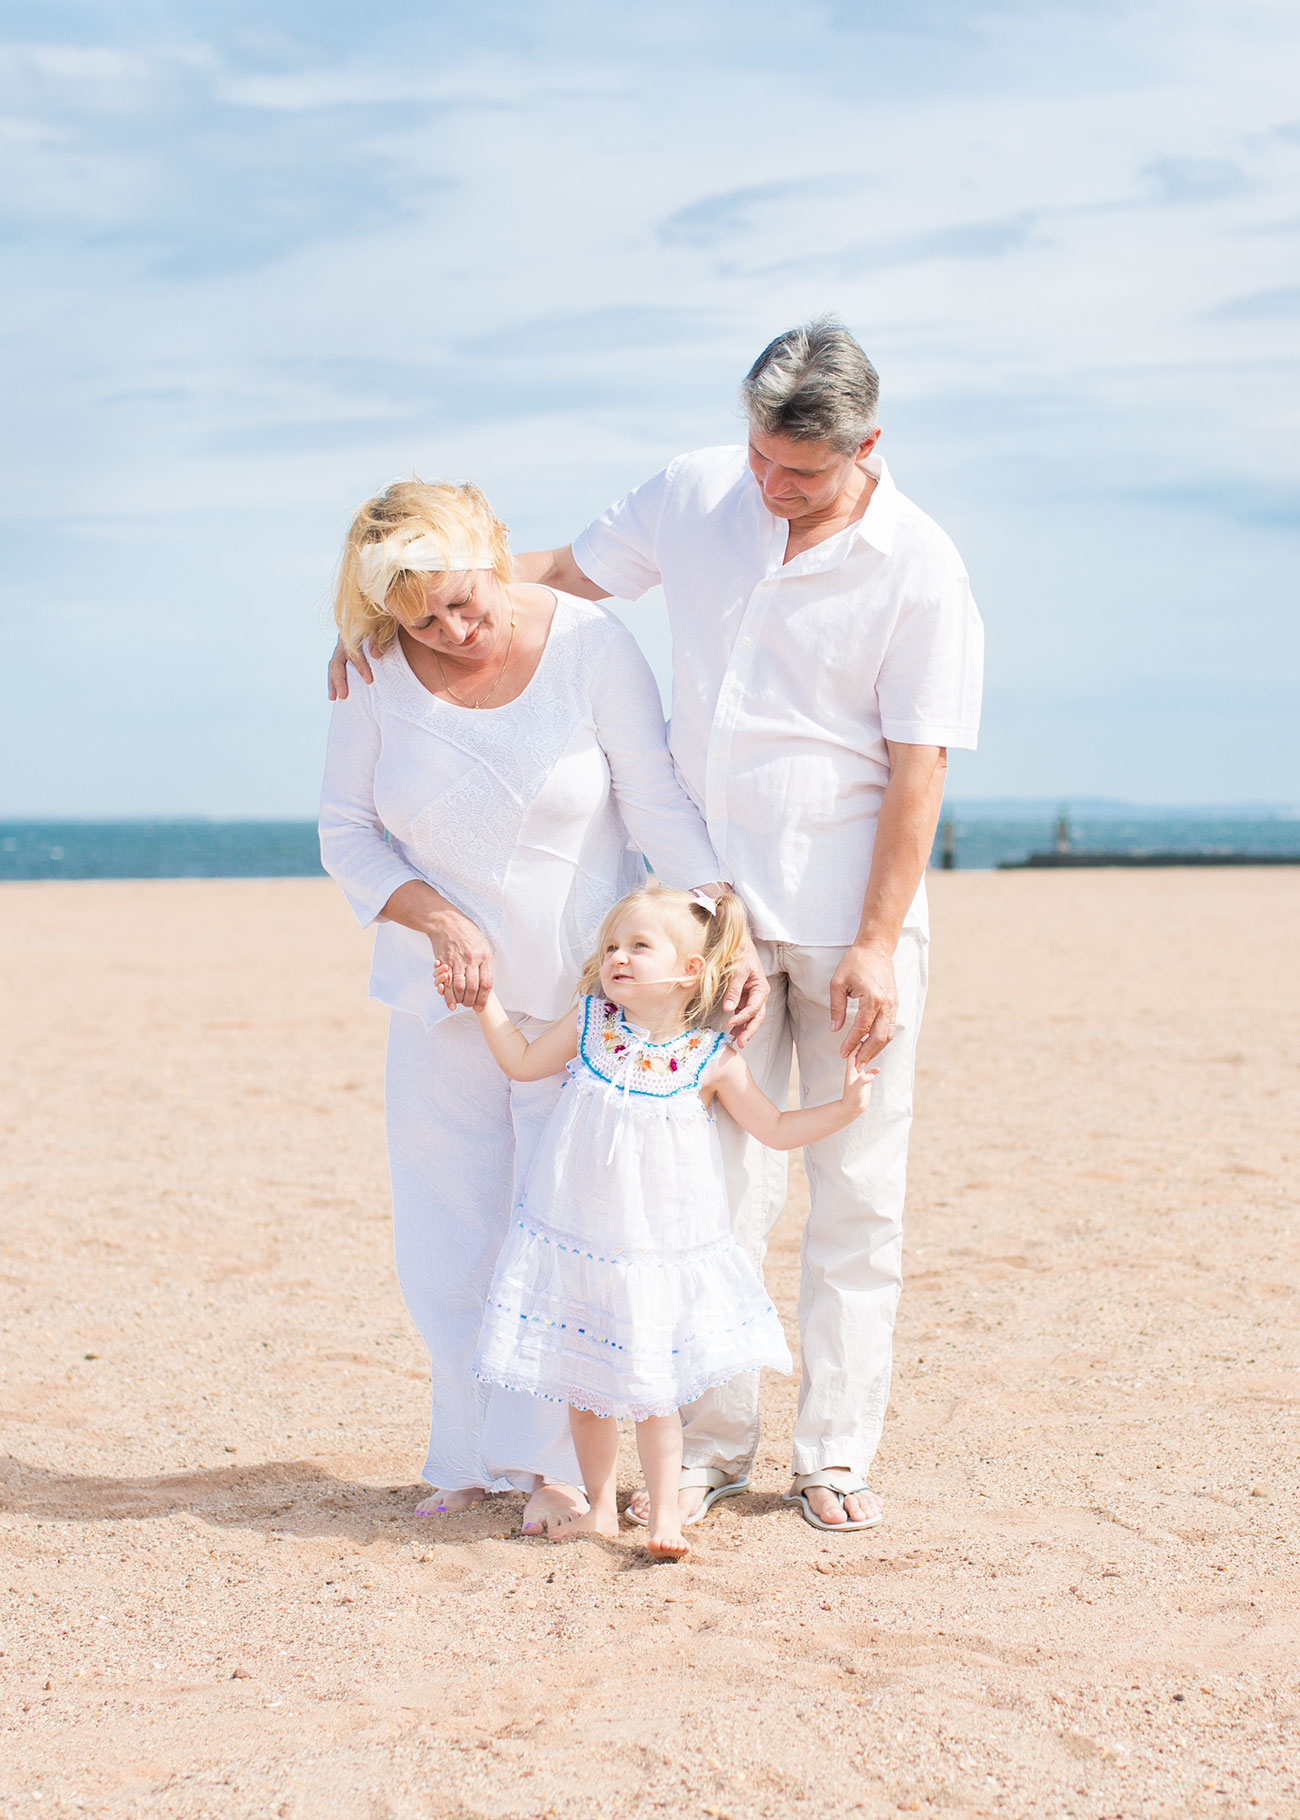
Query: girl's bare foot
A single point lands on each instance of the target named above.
(668, 1545)
(551, 1504)
(584, 1523)
(451, 1503)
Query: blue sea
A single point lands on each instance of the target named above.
(158, 849)
(983, 834)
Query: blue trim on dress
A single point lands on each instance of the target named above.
(598, 1007)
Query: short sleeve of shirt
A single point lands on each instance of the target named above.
(930, 682)
(618, 550)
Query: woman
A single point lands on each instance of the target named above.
(510, 744)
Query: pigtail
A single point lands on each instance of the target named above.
(725, 937)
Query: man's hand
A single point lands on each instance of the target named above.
(866, 974)
(462, 959)
(746, 1002)
(339, 670)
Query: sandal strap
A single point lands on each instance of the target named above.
(712, 1478)
(843, 1484)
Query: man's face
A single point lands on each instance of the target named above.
(801, 479)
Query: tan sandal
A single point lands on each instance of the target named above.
(717, 1487)
(844, 1485)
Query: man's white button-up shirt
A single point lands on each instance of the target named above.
(788, 678)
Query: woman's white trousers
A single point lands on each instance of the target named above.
(459, 1134)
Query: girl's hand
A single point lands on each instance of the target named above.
(857, 1086)
(462, 969)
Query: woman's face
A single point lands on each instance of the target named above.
(463, 615)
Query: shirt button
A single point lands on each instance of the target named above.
(746, 641)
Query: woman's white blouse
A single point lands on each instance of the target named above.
(519, 815)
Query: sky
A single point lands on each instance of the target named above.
(258, 260)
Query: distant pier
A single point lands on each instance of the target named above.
(1064, 854)
(1046, 862)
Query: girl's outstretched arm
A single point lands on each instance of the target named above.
(745, 1100)
(515, 1055)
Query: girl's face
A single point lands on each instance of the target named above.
(640, 954)
(463, 616)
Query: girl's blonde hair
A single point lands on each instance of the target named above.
(719, 937)
(454, 512)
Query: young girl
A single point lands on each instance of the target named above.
(620, 1290)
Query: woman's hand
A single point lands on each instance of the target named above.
(462, 969)
(339, 670)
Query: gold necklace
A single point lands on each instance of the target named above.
(483, 699)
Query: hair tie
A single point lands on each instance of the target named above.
(705, 902)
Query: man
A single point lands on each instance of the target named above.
(826, 653)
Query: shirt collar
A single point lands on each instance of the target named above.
(877, 523)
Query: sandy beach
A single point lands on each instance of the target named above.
(217, 1598)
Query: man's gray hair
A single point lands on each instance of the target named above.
(814, 383)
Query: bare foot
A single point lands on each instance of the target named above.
(451, 1503)
(584, 1523)
(667, 1543)
(551, 1504)
(861, 1507)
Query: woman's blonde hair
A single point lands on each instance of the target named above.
(454, 512)
(718, 936)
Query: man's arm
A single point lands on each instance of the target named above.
(909, 814)
(557, 569)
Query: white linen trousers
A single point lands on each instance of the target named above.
(852, 1248)
(460, 1137)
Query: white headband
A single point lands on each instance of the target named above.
(378, 563)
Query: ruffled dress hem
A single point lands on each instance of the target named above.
(631, 1412)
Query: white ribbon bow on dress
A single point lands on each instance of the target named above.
(624, 1087)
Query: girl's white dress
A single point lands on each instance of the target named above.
(620, 1288)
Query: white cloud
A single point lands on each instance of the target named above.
(262, 276)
